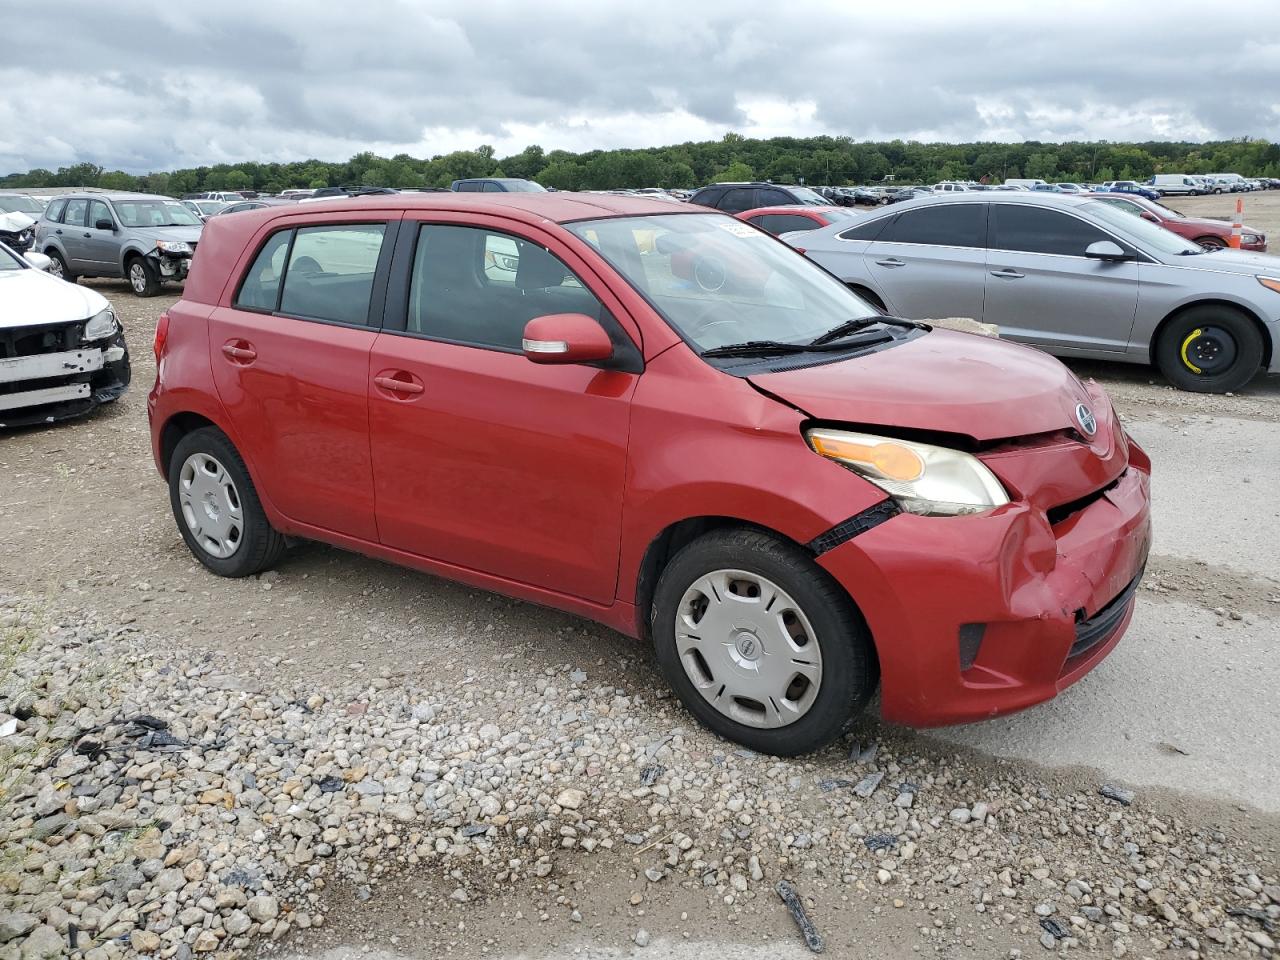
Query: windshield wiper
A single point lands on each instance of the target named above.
(860, 323)
(755, 348)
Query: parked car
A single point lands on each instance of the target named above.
(204, 209)
(146, 239)
(909, 193)
(295, 194)
(21, 203)
(1070, 187)
(736, 197)
(1227, 182)
(949, 186)
(1047, 188)
(496, 185)
(1175, 185)
(714, 446)
(1026, 183)
(18, 216)
(62, 350)
(222, 196)
(256, 205)
(1072, 275)
(1207, 233)
(793, 218)
(1128, 186)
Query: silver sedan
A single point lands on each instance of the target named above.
(1070, 275)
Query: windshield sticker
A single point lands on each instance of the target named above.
(740, 229)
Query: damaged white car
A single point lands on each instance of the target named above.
(62, 350)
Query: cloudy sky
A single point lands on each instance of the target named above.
(177, 84)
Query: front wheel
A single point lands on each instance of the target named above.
(217, 508)
(1209, 349)
(760, 643)
(143, 277)
(1211, 242)
(58, 267)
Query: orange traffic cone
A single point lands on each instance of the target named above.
(1237, 226)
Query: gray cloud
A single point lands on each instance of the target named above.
(162, 88)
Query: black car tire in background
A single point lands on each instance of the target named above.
(1209, 349)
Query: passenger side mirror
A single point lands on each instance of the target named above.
(1148, 215)
(104, 223)
(38, 260)
(1105, 250)
(566, 338)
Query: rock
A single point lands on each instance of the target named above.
(641, 938)
(460, 895)
(14, 925)
(170, 881)
(1047, 941)
(1261, 939)
(47, 827)
(236, 923)
(571, 798)
(206, 942)
(867, 785)
(263, 908)
(42, 943)
(1118, 794)
(50, 800)
(145, 941)
(654, 875)
(960, 815)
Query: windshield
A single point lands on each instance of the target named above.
(210, 207)
(719, 281)
(1153, 237)
(12, 204)
(154, 213)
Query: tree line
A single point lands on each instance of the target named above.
(814, 160)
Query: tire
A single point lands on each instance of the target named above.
(1209, 349)
(1217, 190)
(59, 266)
(870, 297)
(142, 277)
(810, 612)
(257, 546)
(1211, 241)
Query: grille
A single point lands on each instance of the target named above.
(32, 341)
(1098, 628)
(1067, 510)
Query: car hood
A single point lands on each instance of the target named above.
(943, 381)
(29, 297)
(1229, 261)
(188, 234)
(15, 222)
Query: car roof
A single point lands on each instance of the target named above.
(795, 209)
(558, 207)
(116, 195)
(1058, 200)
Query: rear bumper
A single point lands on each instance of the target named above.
(974, 617)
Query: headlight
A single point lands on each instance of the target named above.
(101, 325)
(923, 479)
(1250, 238)
(1271, 283)
(173, 246)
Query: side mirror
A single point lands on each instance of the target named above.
(38, 260)
(1105, 250)
(1148, 215)
(566, 338)
(104, 223)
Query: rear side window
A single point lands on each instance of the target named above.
(777, 223)
(491, 187)
(867, 231)
(737, 200)
(316, 273)
(54, 213)
(775, 198)
(1036, 230)
(260, 289)
(75, 213)
(944, 225)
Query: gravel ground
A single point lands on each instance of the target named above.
(347, 757)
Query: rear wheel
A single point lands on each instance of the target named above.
(217, 508)
(1209, 349)
(142, 277)
(760, 643)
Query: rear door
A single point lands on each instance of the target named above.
(481, 458)
(930, 261)
(738, 199)
(72, 234)
(290, 358)
(1043, 290)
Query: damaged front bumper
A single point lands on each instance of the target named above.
(172, 266)
(48, 386)
(984, 615)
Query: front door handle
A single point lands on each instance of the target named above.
(88, 236)
(400, 386)
(1008, 273)
(58, 231)
(240, 351)
(892, 262)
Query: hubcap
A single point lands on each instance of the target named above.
(55, 267)
(748, 648)
(138, 277)
(210, 505)
(1209, 351)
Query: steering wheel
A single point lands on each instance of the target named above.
(307, 265)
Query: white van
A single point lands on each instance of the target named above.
(1174, 184)
(1027, 184)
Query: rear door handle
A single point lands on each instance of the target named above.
(892, 262)
(240, 351)
(1008, 273)
(397, 385)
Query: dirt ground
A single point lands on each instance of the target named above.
(85, 520)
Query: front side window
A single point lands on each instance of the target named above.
(480, 287)
(76, 209)
(738, 199)
(98, 211)
(719, 281)
(329, 272)
(1030, 229)
(944, 225)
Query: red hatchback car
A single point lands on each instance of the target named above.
(1207, 233)
(668, 422)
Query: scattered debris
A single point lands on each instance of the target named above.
(1171, 748)
(867, 785)
(1118, 794)
(880, 841)
(1054, 928)
(650, 774)
(810, 933)
(826, 786)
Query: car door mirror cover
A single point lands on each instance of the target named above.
(104, 223)
(558, 338)
(1105, 250)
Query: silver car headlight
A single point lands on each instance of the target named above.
(101, 325)
(923, 479)
(173, 246)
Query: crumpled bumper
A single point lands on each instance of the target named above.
(978, 616)
(101, 375)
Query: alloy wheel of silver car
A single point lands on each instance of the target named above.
(55, 267)
(748, 648)
(211, 505)
(138, 277)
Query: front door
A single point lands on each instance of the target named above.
(1043, 290)
(929, 262)
(101, 248)
(481, 458)
(290, 359)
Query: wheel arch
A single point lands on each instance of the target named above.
(174, 429)
(1163, 325)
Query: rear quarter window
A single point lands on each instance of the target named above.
(866, 231)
